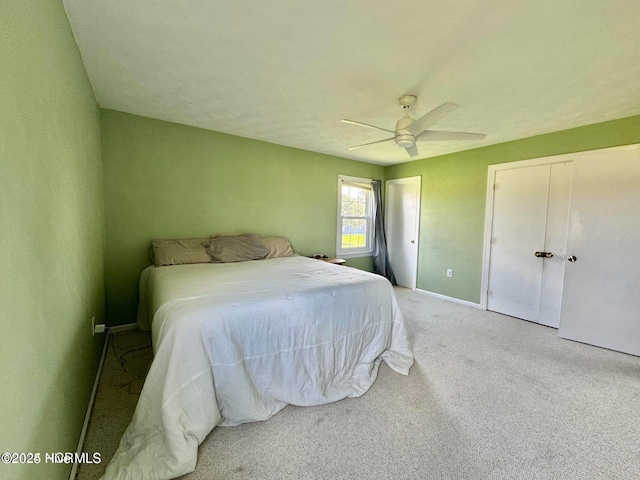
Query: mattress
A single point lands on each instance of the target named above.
(237, 342)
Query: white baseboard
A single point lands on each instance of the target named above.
(92, 399)
(124, 328)
(450, 299)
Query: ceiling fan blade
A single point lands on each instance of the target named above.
(360, 124)
(370, 143)
(432, 117)
(434, 135)
(412, 150)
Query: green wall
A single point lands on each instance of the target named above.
(454, 195)
(51, 236)
(165, 180)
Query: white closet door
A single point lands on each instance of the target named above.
(518, 230)
(530, 214)
(601, 298)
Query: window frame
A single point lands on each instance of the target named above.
(367, 250)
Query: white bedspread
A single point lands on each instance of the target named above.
(237, 342)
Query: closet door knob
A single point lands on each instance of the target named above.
(572, 258)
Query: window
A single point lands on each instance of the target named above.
(355, 217)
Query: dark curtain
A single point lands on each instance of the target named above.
(381, 264)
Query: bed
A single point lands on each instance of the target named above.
(237, 342)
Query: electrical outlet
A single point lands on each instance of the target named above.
(449, 273)
(100, 328)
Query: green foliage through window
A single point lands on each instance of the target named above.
(355, 216)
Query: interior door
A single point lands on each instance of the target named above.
(402, 220)
(518, 230)
(530, 214)
(601, 298)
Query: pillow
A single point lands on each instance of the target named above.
(278, 247)
(180, 252)
(236, 248)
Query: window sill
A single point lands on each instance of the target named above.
(354, 254)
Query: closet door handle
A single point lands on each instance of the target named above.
(543, 254)
(572, 258)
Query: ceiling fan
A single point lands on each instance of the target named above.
(409, 131)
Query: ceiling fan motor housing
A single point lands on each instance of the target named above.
(403, 137)
(403, 123)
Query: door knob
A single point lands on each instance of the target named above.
(543, 254)
(572, 258)
(413, 241)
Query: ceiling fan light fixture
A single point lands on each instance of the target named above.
(405, 140)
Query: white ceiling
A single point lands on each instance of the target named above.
(286, 72)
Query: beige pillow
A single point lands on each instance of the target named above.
(278, 247)
(236, 248)
(180, 252)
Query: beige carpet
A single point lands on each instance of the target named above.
(116, 399)
(489, 397)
